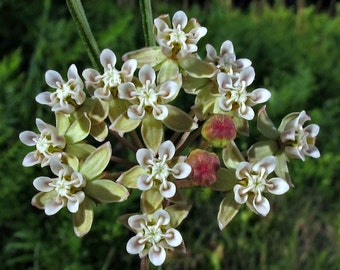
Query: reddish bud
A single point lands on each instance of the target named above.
(219, 130)
(204, 167)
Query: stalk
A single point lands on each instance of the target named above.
(147, 22)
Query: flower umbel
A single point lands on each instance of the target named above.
(154, 235)
(253, 181)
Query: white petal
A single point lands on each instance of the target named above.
(168, 90)
(136, 112)
(181, 170)
(44, 98)
(53, 78)
(56, 165)
(179, 19)
(144, 182)
(242, 168)
(246, 112)
(147, 73)
(173, 237)
(225, 104)
(211, 53)
(303, 117)
(160, 112)
(107, 57)
(277, 186)
(268, 163)
(90, 75)
(42, 183)
(160, 25)
(259, 95)
(227, 48)
(261, 205)
(239, 196)
(161, 216)
(157, 255)
(168, 189)
(103, 94)
(133, 246)
(126, 91)
(30, 159)
(52, 207)
(27, 137)
(313, 152)
(242, 63)
(247, 75)
(72, 72)
(144, 157)
(224, 81)
(294, 152)
(312, 130)
(73, 204)
(288, 135)
(167, 149)
(136, 221)
(129, 68)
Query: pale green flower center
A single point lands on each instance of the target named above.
(64, 91)
(177, 36)
(63, 187)
(256, 181)
(43, 144)
(111, 78)
(239, 95)
(147, 96)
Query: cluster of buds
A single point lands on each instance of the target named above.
(149, 143)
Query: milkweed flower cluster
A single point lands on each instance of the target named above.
(162, 145)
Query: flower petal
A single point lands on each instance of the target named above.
(27, 137)
(181, 170)
(179, 19)
(134, 246)
(168, 189)
(166, 150)
(108, 58)
(261, 205)
(53, 206)
(239, 196)
(173, 237)
(136, 221)
(53, 78)
(30, 159)
(147, 73)
(157, 255)
(144, 157)
(42, 183)
(277, 186)
(144, 182)
(162, 217)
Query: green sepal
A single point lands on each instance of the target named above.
(152, 56)
(96, 162)
(178, 212)
(196, 67)
(124, 124)
(265, 125)
(263, 149)
(225, 180)
(152, 132)
(286, 119)
(231, 156)
(71, 160)
(40, 199)
(62, 122)
(130, 177)
(105, 190)
(99, 131)
(186, 123)
(99, 110)
(281, 168)
(80, 150)
(193, 85)
(169, 71)
(227, 211)
(151, 200)
(79, 129)
(82, 220)
(242, 125)
(117, 107)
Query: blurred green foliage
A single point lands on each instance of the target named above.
(296, 56)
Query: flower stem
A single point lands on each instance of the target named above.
(146, 11)
(78, 15)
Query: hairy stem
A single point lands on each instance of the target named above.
(78, 15)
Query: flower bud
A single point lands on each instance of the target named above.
(219, 130)
(204, 167)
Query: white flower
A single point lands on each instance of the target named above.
(227, 61)
(181, 39)
(48, 143)
(68, 94)
(64, 190)
(253, 182)
(234, 95)
(148, 95)
(104, 86)
(153, 236)
(158, 169)
(298, 140)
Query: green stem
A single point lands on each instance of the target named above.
(147, 22)
(78, 15)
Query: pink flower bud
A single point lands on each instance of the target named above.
(219, 129)
(204, 167)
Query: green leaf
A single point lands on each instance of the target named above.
(130, 177)
(196, 67)
(178, 213)
(225, 180)
(265, 125)
(151, 200)
(105, 190)
(124, 124)
(152, 132)
(227, 211)
(82, 220)
(231, 155)
(96, 162)
(186, 122)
